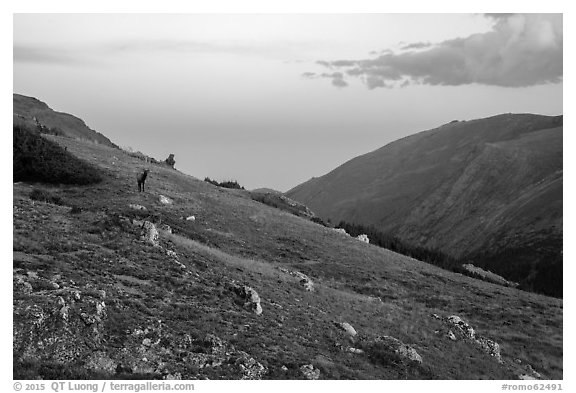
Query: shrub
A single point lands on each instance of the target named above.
(226, 184)
(37, 159)
(45, 196)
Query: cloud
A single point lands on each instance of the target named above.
(336, 77)
(520, 50)
(28, 54)
(417, 45)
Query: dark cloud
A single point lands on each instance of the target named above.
(521, 50)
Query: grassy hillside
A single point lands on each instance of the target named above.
(476, 190)
(29, 109)
(93, 299)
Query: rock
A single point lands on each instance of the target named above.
(363, 238)
(341, 230)
(21, 285)
(462, 327)
(530, 374)
(150, 233)
(345, 326)
(137, 207)
(309, 372)
(190, 218)
(165, 200)
(464, 331)
(249, 367)
(398, 347)
(491, 347)
(165, 228)
(304, 280)
(487, 275)
(355, 350)
(284, 368)
(527, 377)
(249, 296)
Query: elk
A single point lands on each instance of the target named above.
(141, 179)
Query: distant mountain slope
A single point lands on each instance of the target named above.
(30, 108)
(475, 189)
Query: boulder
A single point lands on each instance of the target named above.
(165, 228)
(165, 200)
(249, 296)
(309, 372)
(137, 207)
(190, 218)
(363, 238)
(150, 233)
(459, 329)
(341, 230)
(398, 347)
(346, 327)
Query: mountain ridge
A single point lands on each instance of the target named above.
(32, 110)
(450, 188)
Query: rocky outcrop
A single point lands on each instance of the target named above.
(57, 325)
(457, 329)
(487, 275)
(150, 233)
(248, 296)
(165, 200)
(303, 279)
(309, 372)
(346, 327)
(398, 347)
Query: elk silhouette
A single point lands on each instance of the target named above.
(142, 179)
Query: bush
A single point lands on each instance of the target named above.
(45, 196)
(227, 184)
(37, 159)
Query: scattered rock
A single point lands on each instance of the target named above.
(309, 372)
(150, 233)
(345, 326)
(363, 238)
(459, 329)
(137, 207)
(165, 200)
(355, 350)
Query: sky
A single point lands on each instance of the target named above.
(271, 100)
